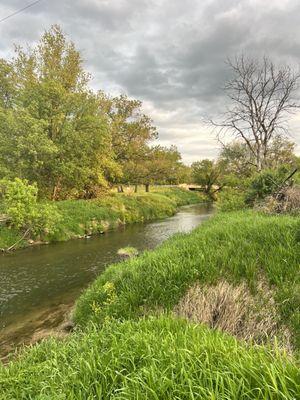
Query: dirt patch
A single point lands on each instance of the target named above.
(233, 309)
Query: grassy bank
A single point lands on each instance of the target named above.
(87, 217)
(238, 247)
(125, 350)
(158, 358)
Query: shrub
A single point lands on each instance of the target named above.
(25, 213)
(264, 184)
(230, 199)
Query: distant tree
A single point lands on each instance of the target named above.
(156, 165)
(207, 173)
(163, 165)
(262, 96)
(131, 131)
(237, 159)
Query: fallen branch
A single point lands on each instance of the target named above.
(18, 241)
(282, 185)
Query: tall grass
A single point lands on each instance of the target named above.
(241, 246)
(158, 358)
(124, 351)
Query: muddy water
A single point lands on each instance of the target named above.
(40, 284)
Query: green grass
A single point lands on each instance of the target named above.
(10, 236)
(158, 358)
(88, 217)
(235, 246)
(121, 350)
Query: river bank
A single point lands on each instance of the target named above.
(123, 346)
(39, 284)
(82, 218)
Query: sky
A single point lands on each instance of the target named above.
(168, 53)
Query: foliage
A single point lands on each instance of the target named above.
(156, 358)
(157, 164)
(230, 199)
(130, 130)
(237, 160)
(264, 184)
(86, 217)
(51, 129)
(25, 213)
(206, 173)
(242, 247)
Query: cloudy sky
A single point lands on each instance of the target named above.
(168, 53)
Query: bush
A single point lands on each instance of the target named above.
(264, 184)
(230, 199)
(25, 213)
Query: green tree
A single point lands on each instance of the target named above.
(51, 128)
(238, 163)
(207, 173)
(131, 131)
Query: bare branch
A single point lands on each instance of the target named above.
(262, 98)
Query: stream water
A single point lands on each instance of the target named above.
(38, 285)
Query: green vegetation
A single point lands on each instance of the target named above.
(124, 351)
(157, 358)
(128, 252)
(71, 141)
(64, 150)
(77, 218)
(236, 246)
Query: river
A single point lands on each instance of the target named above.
(40, 284)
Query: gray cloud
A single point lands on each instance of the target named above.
(168, 53)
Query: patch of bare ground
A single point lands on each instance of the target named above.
(235, 310)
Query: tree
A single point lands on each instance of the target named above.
(207, 173)
(131, 131)
(51, 128)
(238, 160)
(157, 164)
(262, 97)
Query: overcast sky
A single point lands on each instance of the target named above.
(168, 53)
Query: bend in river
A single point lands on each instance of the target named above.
(40, 284)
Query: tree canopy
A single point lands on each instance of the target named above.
(58, 133)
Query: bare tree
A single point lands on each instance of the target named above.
(262, 96)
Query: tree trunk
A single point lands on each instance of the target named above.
(147, 186)
(120, 189)
(258, 159)
(135, 188)
(56, 190)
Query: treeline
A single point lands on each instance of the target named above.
(235, 167)
(69, 140)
